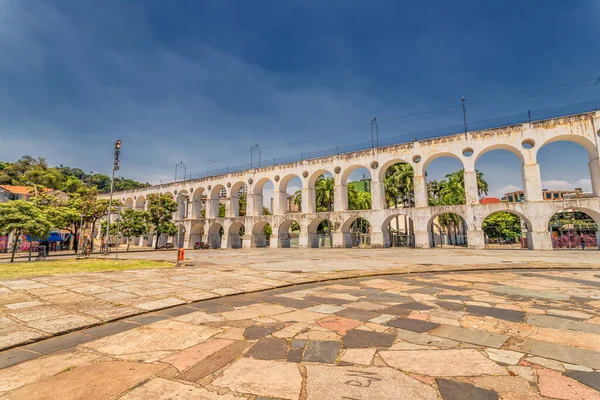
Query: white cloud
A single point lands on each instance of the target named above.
(585, 184)
(503, 190)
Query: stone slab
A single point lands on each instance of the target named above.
(337, 383)
(110, 329)
(163, 389)
(16, 356)
(321, 351)
(268, 349)
(262, 378)
(59, 343)
(592, 379)
(160, 304)
(548, 321)
(363, 339)
(413, 325)
(499, 313)
(452, 390)
(442, 362)
(474, 336)
(214, 362)
(572, 355)
(195, 354)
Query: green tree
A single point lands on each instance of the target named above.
(243, 204)
(324, 190)
(87, 203)
(222, 210)
(23, 218)
(72, 185)
(160, 214)
(502, 225)
(134, 223)
(298, 199)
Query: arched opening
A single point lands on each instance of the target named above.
(128, 203)
(356, 188)
(196, 235)
(321, 187)
(198, 204)
(506, 230)
(215, 233)
(261, 234)
(236, 235)
(574, 229)
(398, 231)
(289, 234)
(565, 170)
(320, 233)
(218, 202)
(356, 232)
(238, 199)
(500, 174)
(290, 190)
(140, 203)
(398, 180)
(447, 230)
(263, 197)
(445, 180)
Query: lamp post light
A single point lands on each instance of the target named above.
(112, 184)
(118, 233)
(80, 236)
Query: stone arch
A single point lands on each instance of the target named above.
(350, 238)
(214, 200)
(259, 237)
(499, 146)
(140, 203)
(128, 202)
(320, 238)
(311, 201)
(286, 238)
(196, 234)
(435, 156)
(398, 231)
(237, 190)
(287, 200)
(361, 187)
(258, 194)
(501, 241)
(383, 168)
(215, 233)
(453, 234)
(235, 235)
(198, 197)
(575, 233)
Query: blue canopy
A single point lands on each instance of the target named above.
(54, 237)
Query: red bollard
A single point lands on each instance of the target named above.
(180, 254)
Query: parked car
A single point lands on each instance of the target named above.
(201, 246)
(166, 246)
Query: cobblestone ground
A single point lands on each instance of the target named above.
(468, 335)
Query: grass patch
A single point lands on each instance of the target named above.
(22, 269)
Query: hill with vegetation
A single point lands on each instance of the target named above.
(28, 171)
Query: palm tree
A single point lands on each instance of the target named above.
(324, 188)
(298, 199)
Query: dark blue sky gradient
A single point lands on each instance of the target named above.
(197, 80)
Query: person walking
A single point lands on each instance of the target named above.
(582, 241)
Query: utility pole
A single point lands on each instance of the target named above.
(374, 133)
(112, 186)
(464, 113)
(252, 150)
(180, 165)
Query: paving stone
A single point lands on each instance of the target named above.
(382, 319)
(59, 343)
(364, 339)
(262, 378)
(522, 372)
(573, 367)
(452, 390)
(454, 297)
(442, 362)
(358, 356)
(425, 290)
(164, 389)
(508, 315)
(195, 354)
(338, 324)
(448, 305)
(214, 362)
(400, 312)
(536, 294)
(260, 331)
(357, 314)
(24, 304)
(572, 355)
(388, 298)
(212, 307)
(177, 311)
(290, 303)
(381, 383)
(507, 357)
(16, 356)
(556, 385)
(63, 323)
(294, 355)
(148, 318)
(299, 316)
(413, 306)
(320, 351)
(592, 379)
(413, 325)
(549, 321)
(17, 336)
(160, 304)
(325, 308)
(109, 329)
(474, 336)
(298, 344)
(552, 364)
(268, 349)
(94, 381)
(326, 300)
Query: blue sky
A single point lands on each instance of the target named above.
(194, 80)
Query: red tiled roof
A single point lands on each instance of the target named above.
(489, 200)
(24, 190)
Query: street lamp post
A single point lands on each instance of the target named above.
(112, 184)
(118, 233)
(79, 238)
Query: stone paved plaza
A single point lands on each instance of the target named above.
(523, 329)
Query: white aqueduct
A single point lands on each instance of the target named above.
(523, 140)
